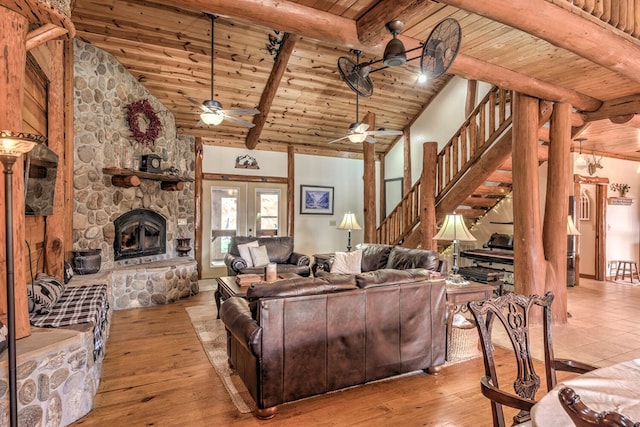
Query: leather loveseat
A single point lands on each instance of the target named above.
(376, 256)
(279, 249)
(301, 337)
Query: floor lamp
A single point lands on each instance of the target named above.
(349, 222)
(453, 229)
(12, 146)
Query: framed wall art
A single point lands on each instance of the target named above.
(316, 200)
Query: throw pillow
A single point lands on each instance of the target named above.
(347, 262)
(259, 256)
(44, 292)
(3, 337)
(245, 253)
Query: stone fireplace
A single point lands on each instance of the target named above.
(140, 232)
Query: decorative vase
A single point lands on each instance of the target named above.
(622, 193)
(184, 246)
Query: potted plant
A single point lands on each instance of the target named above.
(620, 188)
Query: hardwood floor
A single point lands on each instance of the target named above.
(156, 374)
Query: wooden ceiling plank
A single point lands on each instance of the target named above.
(562, 28)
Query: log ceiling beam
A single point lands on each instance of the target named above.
(627, 106)
(561, 28)
(338, 31)
(271, 88)
(43, 34)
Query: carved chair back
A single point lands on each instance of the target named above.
(514, 311)
(583, 416)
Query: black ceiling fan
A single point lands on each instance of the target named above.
(358, 131)
(212, 112)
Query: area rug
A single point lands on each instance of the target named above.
(213, 337)
(627, 282)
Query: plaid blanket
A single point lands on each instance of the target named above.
(81, 304)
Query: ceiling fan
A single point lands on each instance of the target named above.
(438, 52)
(358, 131)
(212, 112)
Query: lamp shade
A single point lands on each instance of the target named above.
(14, 144)
(454, 228)
(349, 222)
(571, 227)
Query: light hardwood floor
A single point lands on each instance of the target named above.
(156, 374)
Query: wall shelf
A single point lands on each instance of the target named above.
(623, 201)
(127, 178)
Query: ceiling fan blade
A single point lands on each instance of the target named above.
(360, 128)
(336, 140)
(385, 132)
(239, 121)
(199, 105)
(241, 111)
(370, 139)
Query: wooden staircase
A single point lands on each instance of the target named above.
(473, 172)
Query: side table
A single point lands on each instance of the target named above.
(227, 287)
(458, 296)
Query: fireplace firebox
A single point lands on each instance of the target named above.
(140, 232)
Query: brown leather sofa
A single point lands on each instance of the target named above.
(301, 337)
(280, 250)
(376, 256)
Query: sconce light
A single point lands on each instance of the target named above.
(581, 160)
(12, 146)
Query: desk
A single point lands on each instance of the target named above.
(459, 295)
(614, 388)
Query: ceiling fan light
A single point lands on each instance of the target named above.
(422, 78)
(212, 118)
(357, 137)
(394, 53)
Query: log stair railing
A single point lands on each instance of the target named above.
(489, 121)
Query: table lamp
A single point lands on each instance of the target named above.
(349, 222)
(12, 146)
(453, 229)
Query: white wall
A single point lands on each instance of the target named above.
(312, 233)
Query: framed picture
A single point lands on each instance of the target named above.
(316, 200)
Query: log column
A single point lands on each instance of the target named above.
(428, 195)
(12, 68)
(369, 179)
(527, 237)
(556, 209)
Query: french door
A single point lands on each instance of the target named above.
(239, 209)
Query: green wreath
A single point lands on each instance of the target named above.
(154, 125)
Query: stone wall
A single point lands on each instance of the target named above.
(102, 90)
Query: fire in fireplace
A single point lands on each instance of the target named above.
(140, 232)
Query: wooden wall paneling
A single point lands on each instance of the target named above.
(54, 238)
(12, 75)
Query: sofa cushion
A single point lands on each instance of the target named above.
(403, 258)
(259, 256)
(245, 253)
(347, 262)
(300, 286)
(44, 292)
(374, 256)
(388, 276)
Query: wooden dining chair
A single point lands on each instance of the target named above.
(514, 311)
(583, 416)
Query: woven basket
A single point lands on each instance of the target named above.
(463, 343)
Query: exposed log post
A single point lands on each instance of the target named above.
(529, 263)
(12, 69)
(406, 175)
(472, 92)
(382, 204)
(269, 92)
(197, 211)
(291, 170)
(68, 148)
(54, 238)
(369, 184)
(428, 195)
(554, 235)
(576, 261)
(601, 232)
